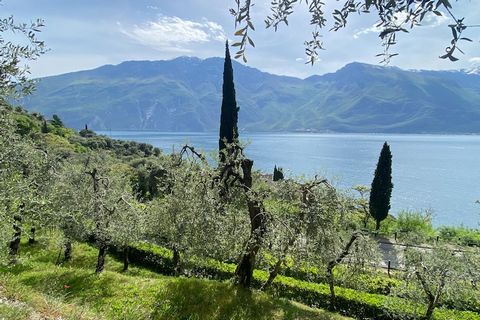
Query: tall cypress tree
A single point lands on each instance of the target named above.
(229, 112)
(382, 186)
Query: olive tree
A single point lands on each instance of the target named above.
(434, 276)
(71, 205)
(192, 218)
(362, 203)
(95, 201)
(332, 239)
(25, 172)
(289, 205)
(111, 192)
(128, 223)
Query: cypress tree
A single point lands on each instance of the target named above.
(56, 121)
(382, 186)
(229, 112)
(277, 174)
(44, 126)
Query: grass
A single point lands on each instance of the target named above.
(37, 288)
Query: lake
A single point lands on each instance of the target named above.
(436, 172)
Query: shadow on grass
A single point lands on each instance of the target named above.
(198, 299)
(83, 287)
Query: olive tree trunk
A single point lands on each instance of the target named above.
(431, 297)
(244, 271)
(14, 244)
(177, 266)
(102, 254)
(67, 252)
(333, 263)
(31, 238)
(126, 260)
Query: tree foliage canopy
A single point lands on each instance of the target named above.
(394, 16)
(19, 43)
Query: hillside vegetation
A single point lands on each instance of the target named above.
(176, 217)
(184, 94)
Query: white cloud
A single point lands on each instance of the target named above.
(474, 60)
(299, 60)
(174, 33)
(433, 20)
(372, 29)
(430, 20)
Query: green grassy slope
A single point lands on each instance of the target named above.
(36, 287)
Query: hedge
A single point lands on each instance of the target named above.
(348, 301)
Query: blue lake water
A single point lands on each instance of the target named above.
(437, 172)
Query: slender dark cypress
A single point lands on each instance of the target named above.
(44, 126)
(382, 186)
(229, 112)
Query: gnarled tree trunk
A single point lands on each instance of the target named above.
(278, 265)
(31, 239)
(244, 271)
(102, 254)
(431, 297)
(126, 261)
(177, 267)
(332, 264)
(273, 274)
(14, 244)
(67, 252)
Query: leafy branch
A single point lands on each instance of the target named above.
(394, 16)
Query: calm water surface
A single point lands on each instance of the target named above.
(437, 172)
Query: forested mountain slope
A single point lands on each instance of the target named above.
(184, 94)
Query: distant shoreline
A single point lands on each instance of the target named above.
(106, 132)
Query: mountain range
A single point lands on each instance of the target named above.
(184, 94)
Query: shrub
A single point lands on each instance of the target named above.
(460, 235)
(414, 227)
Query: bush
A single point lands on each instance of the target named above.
(25, 124)
(414, 227)
(461, 235)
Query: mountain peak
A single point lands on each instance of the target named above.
(184, 94)
(186, 59)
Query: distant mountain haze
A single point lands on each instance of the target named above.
(184, 94)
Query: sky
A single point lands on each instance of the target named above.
(89, 33)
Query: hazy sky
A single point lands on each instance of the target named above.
(88, 33)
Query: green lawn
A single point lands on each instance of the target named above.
(37, 288)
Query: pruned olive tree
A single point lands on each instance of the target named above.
(434, 276)
(111, 196)
(289, 205)
(95, 201)
(332, 240)
(128, 222)
(361, 203)
(72, 205)
(235, 176)
(25, 171)
(393, 17)
(191, 217)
